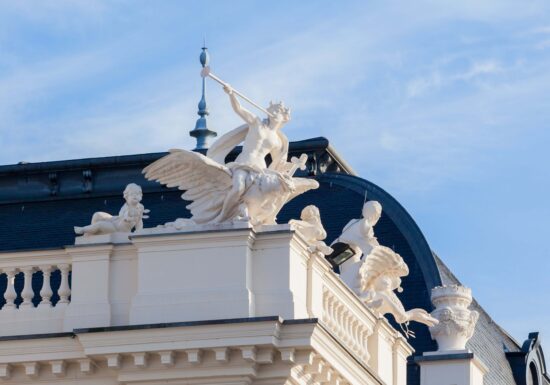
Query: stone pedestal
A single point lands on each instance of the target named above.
(452, 364)
(90, 303)
(452, 368)
(228, 273)
(456, 321)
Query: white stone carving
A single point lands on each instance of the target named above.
(381, 274)
(246, 189)
(456, 322)
(376, 275)
(130, 217)
(312, 229)
(359, 235)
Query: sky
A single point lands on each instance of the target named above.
(444, 104)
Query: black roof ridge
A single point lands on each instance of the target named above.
(117, 160)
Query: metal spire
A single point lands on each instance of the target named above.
(201, 131)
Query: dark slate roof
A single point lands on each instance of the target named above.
(41, 202)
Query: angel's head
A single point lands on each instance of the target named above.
(279, 114)
(310, 213)
(133, 194)
(372, 210)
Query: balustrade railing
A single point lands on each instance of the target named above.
(41, 286)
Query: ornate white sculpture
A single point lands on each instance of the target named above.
(375, 277)
(243, 190)
(381, 274)
(130, 217)
(312, 229)
(456, 322)
(359, 235)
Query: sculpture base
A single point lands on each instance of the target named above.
(102, 238)
(214, 272)
(456, 367)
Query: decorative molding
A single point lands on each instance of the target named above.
(87, 184)
(31, 369)
(54, 183)
(5, 371)
(113, 361)
(456, 322)
(249, 353)
(86, 365)
(222, 354)
(194, 356)
(140, 359)
(58, 368)
(167, 358)
(287, 354)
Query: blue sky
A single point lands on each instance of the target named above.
(444, 104)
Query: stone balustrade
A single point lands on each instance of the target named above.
(200, 275)
(36, 291)
(22, 274)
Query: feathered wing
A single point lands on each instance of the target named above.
(381, 260)
(227, 142)
(205, 181)
(302, 185)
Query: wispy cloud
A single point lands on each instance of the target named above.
(419, 97)
(435, 80)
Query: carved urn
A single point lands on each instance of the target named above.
(456, 321)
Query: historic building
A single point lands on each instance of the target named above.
(218, 294)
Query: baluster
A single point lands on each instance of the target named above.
(46, 291)
(64, 289)
(10, 295)
(27, 293)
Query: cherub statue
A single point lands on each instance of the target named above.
(243, 190)
(311, 228)
(359, 235)
(130, 217)
(375, 271)
(381, 274)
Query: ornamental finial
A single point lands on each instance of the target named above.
(201, 131)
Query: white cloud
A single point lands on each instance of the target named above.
(437, 79)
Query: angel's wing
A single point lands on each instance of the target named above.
(205, 181)
(227, 142)
(381, 260)
(301, 186)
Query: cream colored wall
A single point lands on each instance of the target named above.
(208, 275)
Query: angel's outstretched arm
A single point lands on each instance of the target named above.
(246, 115)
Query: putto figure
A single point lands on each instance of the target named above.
(359, 235)
(243, 190)
(381, 274)
(130, 217)
(374, 272)
(312, 229)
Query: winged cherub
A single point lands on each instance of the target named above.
(243, 190)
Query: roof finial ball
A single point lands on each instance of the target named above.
(201, 131)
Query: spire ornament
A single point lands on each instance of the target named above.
(201, 131)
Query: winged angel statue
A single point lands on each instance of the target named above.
(243, 190)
